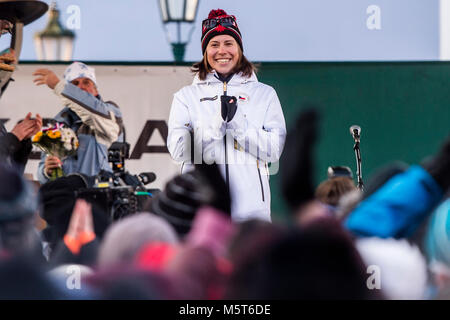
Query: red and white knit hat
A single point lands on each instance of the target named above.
(218, 23)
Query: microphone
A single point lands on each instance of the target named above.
(146, 177)
(355, 131)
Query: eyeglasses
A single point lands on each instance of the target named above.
(225, 22)
(5, 27)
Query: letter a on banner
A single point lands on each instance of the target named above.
(141, 145)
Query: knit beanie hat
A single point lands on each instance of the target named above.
(219, 23)
(79, 70)
(179, 201)
(126, 237)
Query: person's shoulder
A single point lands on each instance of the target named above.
(263, 86)
(115, 107)
(186, 90)
(112, 103)
(253, 81)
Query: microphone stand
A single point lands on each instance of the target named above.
(358, 163)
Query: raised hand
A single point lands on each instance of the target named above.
(81, 220)
(81, 227)
(46, 76)
(27, 127)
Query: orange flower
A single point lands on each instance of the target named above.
(54, 134)
(37, 137)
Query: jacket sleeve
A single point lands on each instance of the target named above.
(20, 157)
(102, 117)
(265, 143)
(17, 151)
(398, 207)
(9, 145)
(179, 141)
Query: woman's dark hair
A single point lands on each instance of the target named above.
(203, 68)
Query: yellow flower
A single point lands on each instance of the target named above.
(54, 134)
(37, 137)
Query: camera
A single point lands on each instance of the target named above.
(117, 202)
(120, 193)
(117, 153)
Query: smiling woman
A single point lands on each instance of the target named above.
(242, 132)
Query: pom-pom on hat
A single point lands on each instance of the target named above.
(219, 23)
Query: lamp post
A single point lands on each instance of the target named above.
(178, 17)
(54, 43)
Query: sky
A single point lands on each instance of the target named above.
(283, 30)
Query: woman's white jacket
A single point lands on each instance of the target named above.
(254, 137)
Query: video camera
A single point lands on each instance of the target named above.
(117, 153)
(120, 193)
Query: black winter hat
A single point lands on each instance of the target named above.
(219, 23)
(180, 200)
(185, 194)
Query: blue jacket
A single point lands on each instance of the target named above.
(97, 125)
(398, 207)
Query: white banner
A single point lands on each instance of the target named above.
(143, 93)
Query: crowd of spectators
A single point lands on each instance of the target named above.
(390, 241)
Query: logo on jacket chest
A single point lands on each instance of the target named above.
(242, 97)
(209, 98)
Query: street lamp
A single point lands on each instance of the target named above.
(54, 43)
(178, 17)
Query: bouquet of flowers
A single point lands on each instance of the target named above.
(57, 140)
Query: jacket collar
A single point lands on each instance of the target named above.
(236, 79)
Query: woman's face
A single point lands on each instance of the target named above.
(222, 54)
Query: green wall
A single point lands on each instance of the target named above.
(403, 109)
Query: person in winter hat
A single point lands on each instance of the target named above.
(126, 237)
(227, 117)
(97, 123)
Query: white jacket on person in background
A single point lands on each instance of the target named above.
(254, 137)
(97, 125)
